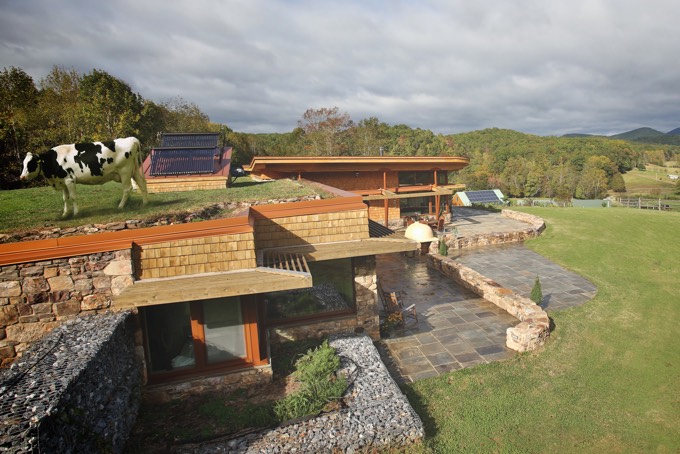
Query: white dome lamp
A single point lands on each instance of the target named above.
(422, 233)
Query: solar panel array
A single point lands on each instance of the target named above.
(486, 196)
(176, 140)
(182, 161)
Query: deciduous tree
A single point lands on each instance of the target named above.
(322, 128)
(110, 107)
(18, 99)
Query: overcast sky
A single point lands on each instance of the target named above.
(546, 67)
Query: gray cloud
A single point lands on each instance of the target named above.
(599, 66)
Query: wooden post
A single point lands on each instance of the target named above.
(386, 202)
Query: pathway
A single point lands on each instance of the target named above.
(456, 328)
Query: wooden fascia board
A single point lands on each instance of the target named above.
(311, 207)
(33, 251)
(149, 292)
(356, 164)
(349, 249)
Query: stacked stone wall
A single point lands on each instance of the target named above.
(534, 327)
(249, 378)
(76, 390)
(37, 297)
(535, 226)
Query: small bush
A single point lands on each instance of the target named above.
(443, 248)
(319, 384)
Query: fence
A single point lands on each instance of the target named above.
(648, 204)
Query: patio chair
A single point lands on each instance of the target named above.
(392, 304)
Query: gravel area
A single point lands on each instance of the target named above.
(75, 390)
(376, 414)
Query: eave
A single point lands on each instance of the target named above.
(150, 292)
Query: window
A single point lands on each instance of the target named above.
(195, 336)
(416, 178)
(332, 293)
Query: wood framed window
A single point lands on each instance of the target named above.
(185, 339)
(331, 295)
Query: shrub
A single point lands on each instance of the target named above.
(536, 293)
(443, 248)
(320, 384)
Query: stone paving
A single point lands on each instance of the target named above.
(516, 267)
(456, 328)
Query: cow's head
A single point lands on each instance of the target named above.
(31, 167)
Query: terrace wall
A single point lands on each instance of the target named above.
(36, 297)
(77, 390)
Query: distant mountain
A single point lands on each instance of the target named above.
(579, 135)
(637, 134)
(643, 135)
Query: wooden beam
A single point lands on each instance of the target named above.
(149, 292)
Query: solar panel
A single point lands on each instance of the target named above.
(483, 196)
(177, 140)
(179, 161)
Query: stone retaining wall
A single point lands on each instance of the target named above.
(535, 226)
(37, 297)
(248, 378)
(534, 326)
(76, 390)
(537, 223)
(377, 415)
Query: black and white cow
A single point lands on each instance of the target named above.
(89, 163)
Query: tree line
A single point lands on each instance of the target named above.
(68, 107)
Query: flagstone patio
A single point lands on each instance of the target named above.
(456, 328)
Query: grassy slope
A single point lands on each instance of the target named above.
(638, 182)
(609, 377)
(26, 209)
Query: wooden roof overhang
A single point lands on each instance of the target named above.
(149, 292)
(348, 249)
(400, 193)
(307, 164)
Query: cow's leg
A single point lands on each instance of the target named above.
(64, 194)
(138, 177)
(71, 189)
(127, 188)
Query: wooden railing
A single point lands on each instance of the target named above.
(644, 204)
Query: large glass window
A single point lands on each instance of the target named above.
(333, 292)
(223, 327)
(169, 337)
(188, 336)
(422, 178)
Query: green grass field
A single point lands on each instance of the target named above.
(26, 209)
(608, 379)
(653, 181)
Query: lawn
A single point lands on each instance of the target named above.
(653, 181)
(40, 207)
(608, 379)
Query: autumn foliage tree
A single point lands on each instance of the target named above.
(322, 130)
